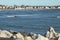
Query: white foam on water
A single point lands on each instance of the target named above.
(12, 16)
(58, 16)
(17, 15)
(23, 15)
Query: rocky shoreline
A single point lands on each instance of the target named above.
(12, 35)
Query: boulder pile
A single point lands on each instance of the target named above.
(49, 35)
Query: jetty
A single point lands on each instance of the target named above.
(50, 34)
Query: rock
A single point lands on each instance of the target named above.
(52, 30)
(33, 35)
(47, 34)
(5, 34)
(37, 37)
(18, 36)
(51, 33)
(59, 38)
(28, 38)
(40, 37)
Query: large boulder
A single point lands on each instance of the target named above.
(5, 34)
(51, 34)
(28, 38)
(40, 37)
(59, 36)
(33, 35)
(37, 37)
(18, 36)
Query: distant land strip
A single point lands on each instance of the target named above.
(22, 7)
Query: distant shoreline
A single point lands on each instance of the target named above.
(29, 9)
(22, 7)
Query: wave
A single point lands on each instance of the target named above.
(58, 16)
(13, 16)
(17, 15)
(10, 16)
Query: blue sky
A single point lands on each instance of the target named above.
(30, 2)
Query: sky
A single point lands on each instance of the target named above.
(30, 2)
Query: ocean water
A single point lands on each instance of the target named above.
(36, 21)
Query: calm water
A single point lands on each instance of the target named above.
(37, 21)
